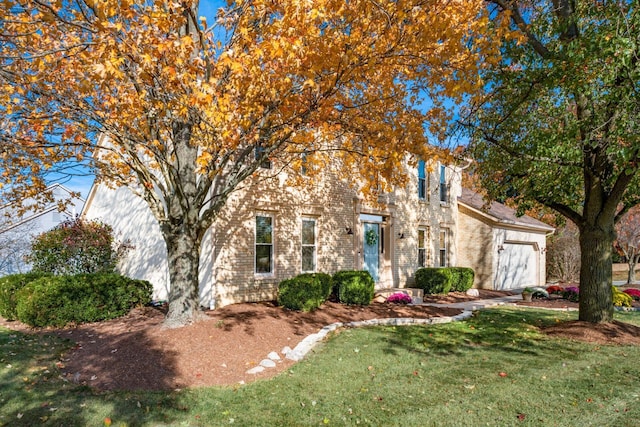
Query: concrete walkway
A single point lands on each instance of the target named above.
(480, 304)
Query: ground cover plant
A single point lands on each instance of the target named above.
(494, 369)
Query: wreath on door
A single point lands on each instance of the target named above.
(371, 237)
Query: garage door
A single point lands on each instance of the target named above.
(517, 267)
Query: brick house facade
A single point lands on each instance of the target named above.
(270, 231)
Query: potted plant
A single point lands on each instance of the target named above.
(527, 293)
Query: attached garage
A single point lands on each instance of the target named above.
(504, 250)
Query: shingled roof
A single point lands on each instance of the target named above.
(499, 212)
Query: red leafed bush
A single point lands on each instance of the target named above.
(555, 289)
(635, 293)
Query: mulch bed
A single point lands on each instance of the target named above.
(136, 352)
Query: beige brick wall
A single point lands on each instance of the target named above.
(330, 202)
(476, 247)
(413, 213)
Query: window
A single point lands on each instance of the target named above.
(260, 154)
(422, 180)
(443, 183)
(309, 248)
(304, 158)
(423, 238)
(443, 247)
(264, 244)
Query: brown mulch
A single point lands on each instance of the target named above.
(603, 333)
(136, 352)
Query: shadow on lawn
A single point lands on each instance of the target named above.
(35, 391)
(508, 330)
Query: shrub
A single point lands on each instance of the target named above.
(634, 293)
(303, 292)
(325, 282)
(399, 298)
(621, 299)
(571, 293)
(60, 300)
(354, 287)
(434, 280)
(555, 290)
(76, 247)
(9, 286)
(461, 278)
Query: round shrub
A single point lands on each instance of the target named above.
(9, 286)
(60, 300)
(461, 278)
(303, 292)
(325, 282)
(77, 246)
(434, 280)
(354, 287)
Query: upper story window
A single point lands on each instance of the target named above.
(264, 244)
(423, 194)
(309, 247)
(443, 184)
(265, 163)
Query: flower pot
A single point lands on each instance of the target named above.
(527, 296)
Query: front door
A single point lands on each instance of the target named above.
(371, 246)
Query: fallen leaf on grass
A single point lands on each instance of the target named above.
(503, 374)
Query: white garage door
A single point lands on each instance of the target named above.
(517, 267)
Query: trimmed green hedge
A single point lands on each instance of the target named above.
(60, 300)
(462, 278)
(434, 280)
(9, 286)
(354, 287)
(304, 292)
(445, 279)
(325, 282)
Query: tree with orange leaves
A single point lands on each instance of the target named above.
(189, 110)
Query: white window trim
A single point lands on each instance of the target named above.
(272, 273)
(423, 197)
(315, 245)
(442, 180)
(425, 246)
(445, 248)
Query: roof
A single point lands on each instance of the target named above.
(500, 213)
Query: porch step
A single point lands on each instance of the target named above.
(416, 294)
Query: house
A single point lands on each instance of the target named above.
(17, 230)
(270, 231)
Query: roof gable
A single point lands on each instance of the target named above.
(500, 213)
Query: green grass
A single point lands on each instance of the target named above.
(446, 375)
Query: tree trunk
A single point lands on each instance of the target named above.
(596, 299)
(183, 251)
(631, 277)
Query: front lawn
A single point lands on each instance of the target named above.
(495, 369)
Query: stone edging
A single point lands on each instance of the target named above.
(304, 346)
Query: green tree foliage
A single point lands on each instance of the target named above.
(76, 246)
(560, 124)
